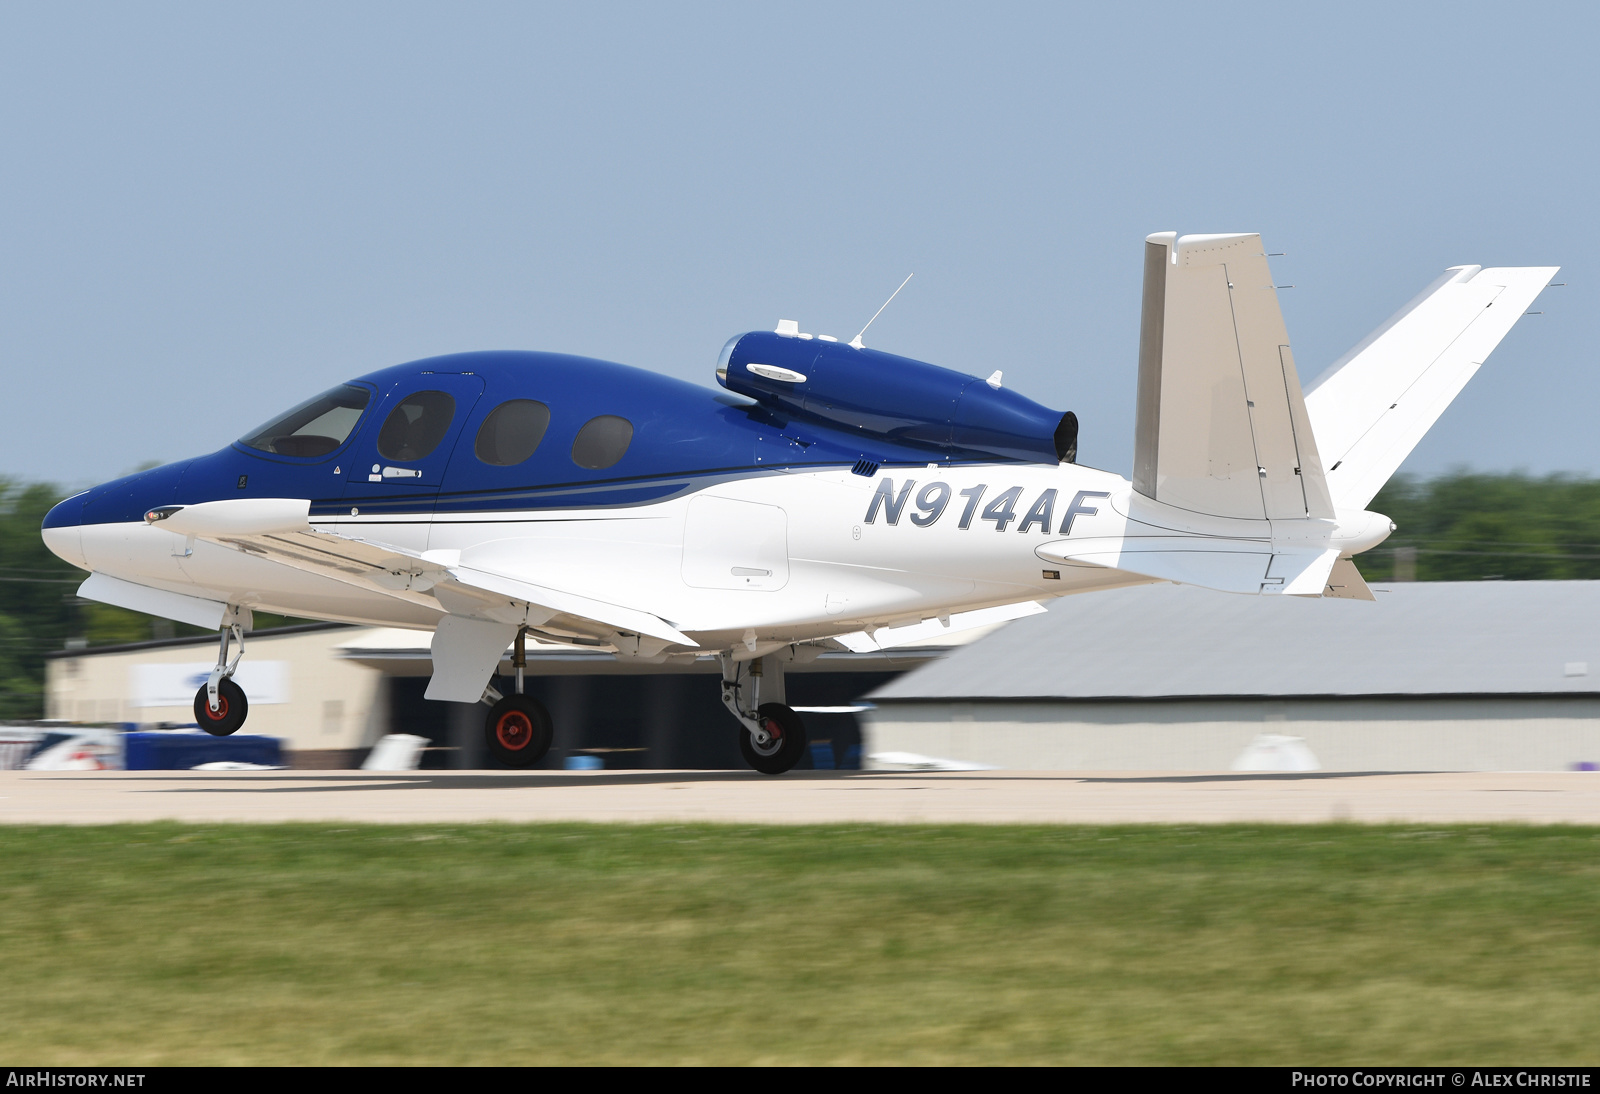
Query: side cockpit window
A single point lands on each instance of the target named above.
(315, 427)
(414, 428)
(602, 442)
(512, 432)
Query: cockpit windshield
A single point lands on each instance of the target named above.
(315, 427)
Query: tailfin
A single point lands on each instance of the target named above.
(1222, 426)
(1374, 404)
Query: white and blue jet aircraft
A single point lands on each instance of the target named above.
(832, 496)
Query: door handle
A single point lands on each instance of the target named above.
(402, 473)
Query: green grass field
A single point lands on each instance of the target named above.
(172, 944)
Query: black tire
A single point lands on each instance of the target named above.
(232, 709)
(518, 731)
(788, 742)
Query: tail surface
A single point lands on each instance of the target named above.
(1222, 425)
(1266, 484)
(1373, 405)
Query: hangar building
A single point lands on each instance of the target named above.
(329, 691)
(1436, 676)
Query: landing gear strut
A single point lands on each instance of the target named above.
(518, 730)
(772, 738)
(220, 707)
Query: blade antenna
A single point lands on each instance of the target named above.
(856, 341)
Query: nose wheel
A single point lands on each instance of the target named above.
(220, 706)
(518, 731)
(230, 711)
(785, 740)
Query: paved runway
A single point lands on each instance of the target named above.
(987, 797)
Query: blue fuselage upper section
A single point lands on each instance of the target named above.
(681, 436)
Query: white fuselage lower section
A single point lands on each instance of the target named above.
(778, 557)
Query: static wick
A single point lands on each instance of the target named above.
(856, 341)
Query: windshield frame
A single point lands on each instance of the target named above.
(244, 443)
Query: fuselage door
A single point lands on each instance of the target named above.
(398, 462)
(730, 544)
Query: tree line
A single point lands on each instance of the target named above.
(1484, 527)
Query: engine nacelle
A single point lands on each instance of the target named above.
(897, 398)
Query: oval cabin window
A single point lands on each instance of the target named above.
(602, 442)
(512, 432)
(414, 428)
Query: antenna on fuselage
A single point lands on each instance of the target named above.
(856, 341)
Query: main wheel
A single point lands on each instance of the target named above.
(518, 731)
(232, 707)
(786, 740)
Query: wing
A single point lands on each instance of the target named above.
(280, 530)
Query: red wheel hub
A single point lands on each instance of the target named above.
(514, 730)
(222, 708)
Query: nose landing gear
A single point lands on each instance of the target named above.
(518, 730)
(220, 707)
(229, 713)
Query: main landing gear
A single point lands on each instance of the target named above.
(518, 730)
(772, 738)
(220, 707)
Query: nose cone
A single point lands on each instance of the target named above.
(66, 514)
(126, 500)
(121, 501)
(63, 530)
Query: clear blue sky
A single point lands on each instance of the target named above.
(209, 212)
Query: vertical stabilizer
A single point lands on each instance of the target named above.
(1222, 426)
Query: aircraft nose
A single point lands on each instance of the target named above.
(63, 530)
(67, 513)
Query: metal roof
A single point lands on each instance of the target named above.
(1174, 641)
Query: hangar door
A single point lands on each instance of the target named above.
(735, 545)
